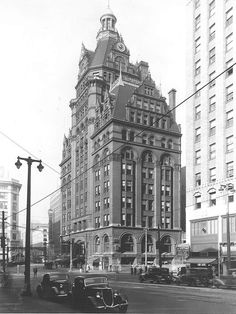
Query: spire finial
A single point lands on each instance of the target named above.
(108, 4)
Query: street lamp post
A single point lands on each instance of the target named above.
(229, 187)
(29, 160)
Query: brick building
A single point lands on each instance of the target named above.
(120, 169)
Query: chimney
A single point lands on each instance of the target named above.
(172, 101)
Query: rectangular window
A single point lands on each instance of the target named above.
(167, 190)
(197, 112)
(197, 201)
(197, 4)
(138, 119)
(197, 67)
(229, 67)
(197, 89)
(150, 205)
(212, 55)
(229, 118)
(229, 93)
(198, 134)
(128, 202)
(212, 127)
(197, 44)
(212, 32)
(129, 186)
(229, 169)
(198, 157)
(229, 17)
(129, 169)
(212, 103)
(212, 8)
(211, 79)
(212, 175)
(212, 151)
(229, 42)
(229, 144)
(198, 179)
(197, 22)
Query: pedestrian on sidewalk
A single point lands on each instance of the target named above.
(35, 270)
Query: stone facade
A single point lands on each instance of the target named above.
(120, 170)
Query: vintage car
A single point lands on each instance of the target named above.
(54, 285)
(156, 275)
(91, 292)
(195, 276)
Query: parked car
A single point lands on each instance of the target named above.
(92, 292)
(156, 275)
(54, 285)
(195, 276)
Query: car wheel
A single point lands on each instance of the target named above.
(123, 308)
(141, 279)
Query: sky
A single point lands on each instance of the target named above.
(40, 50)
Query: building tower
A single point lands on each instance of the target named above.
(210, 125)
(9, 203)
(120, 169)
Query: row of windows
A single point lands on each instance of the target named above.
(106, 221)
(228, 67)
(146, 104)
(106, 204)
(205, 227)
(229, 93)
(229, 146)
(228, 14)
(211, 199)
(212, 174)
(229, 121)
(148, 119)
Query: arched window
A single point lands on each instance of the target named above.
(106, 243)
(127, 243)
(166, 244)
(127, 154)
(149, 244)
(147, 157)
(97, 245)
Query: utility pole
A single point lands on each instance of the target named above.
(29, 160)
(159, 245)
(3, 244)
(71, 253)
(146, 239)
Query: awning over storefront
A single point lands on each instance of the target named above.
(200, 261)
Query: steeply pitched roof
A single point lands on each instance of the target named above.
(122, 96)
(102, 51)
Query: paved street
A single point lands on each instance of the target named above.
(143, 298)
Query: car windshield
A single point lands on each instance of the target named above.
(59, 277)
(95, 280)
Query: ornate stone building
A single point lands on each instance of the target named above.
(120, 170)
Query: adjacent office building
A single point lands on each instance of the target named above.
(120, 168)
(9, 204)
(211, 128)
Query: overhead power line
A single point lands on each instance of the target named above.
(143, 130)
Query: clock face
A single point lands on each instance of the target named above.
(120, 47)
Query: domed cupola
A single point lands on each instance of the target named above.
(108, 21)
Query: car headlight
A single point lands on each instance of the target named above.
(116, 293)
(98, 294)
